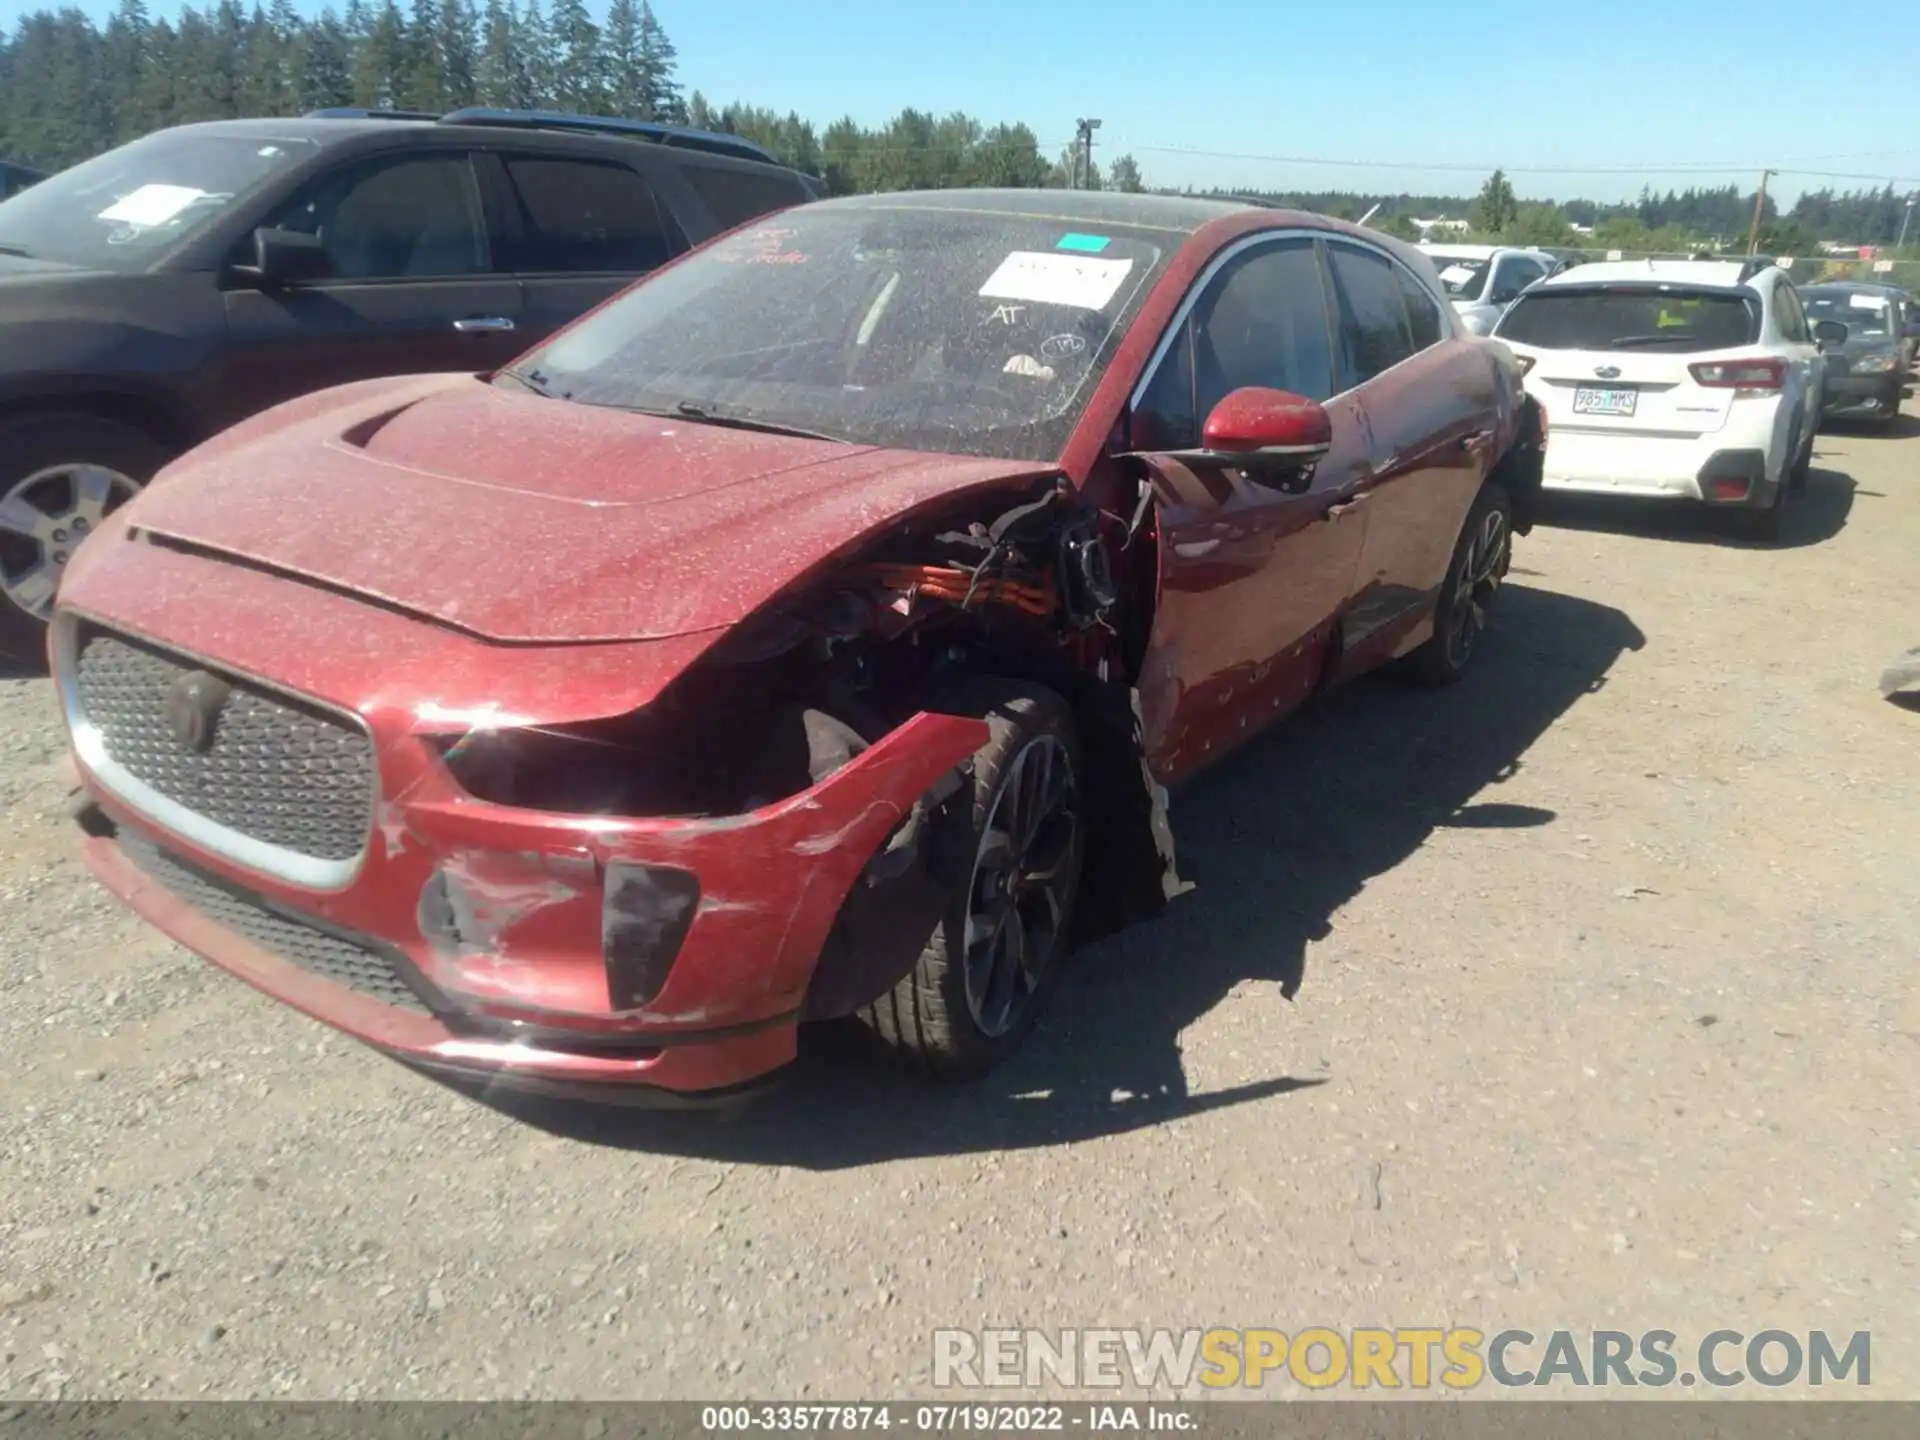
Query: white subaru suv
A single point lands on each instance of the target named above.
(1674, 379)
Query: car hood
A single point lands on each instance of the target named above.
(524, 519)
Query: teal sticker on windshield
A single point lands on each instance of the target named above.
(1091, 244)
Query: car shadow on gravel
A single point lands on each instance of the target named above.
(1278, 838)
(1813, 517)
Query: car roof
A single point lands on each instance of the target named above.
(1178, 213)
(1710, 274)
(336, 127)
(1871, 286)
(1478, 252)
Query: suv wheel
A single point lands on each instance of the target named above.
(1009, 854)
(60, 477)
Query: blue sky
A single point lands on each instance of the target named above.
(1655, 90)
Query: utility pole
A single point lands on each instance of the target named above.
(1082, 178)
(1906, 220)
(1759, 204)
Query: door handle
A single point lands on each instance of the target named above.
(1478, 443)
(1345, 507)
(483, 325)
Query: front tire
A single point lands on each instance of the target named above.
(60, 477)
(1479, 567)
(1009, 850)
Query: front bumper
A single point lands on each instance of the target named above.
(521, 990)
(1866, 396)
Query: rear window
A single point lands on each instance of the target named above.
(1462, 279)
(1624, 318)
(1867, 316)
(737, 196)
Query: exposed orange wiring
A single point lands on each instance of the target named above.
(958, 586)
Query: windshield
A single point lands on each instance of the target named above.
(121, 210)
(932, 328)
(1463, 279)
(1624, 318)
(1866, 315)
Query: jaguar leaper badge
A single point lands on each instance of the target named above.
(193, 709)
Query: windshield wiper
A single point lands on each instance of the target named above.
(6, 249)
(537, 382)
(1627, 342)
(690, 411)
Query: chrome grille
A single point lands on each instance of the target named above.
(277, 771)
(320, 952)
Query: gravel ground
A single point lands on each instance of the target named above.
(1602, 1016)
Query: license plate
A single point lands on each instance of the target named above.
(1604, 399)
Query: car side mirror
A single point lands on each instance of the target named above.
(285, 257)
(1829, 332)
(1275, 436)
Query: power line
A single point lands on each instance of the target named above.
(1691, 168)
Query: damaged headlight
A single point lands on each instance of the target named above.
(646, 766)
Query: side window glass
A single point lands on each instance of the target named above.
(1793, 320)
(1423, 312)
(737, 196)
(1515, 276)
(1165, 419)
(410, 218)
(1263, 321)
(1373, 316)
(586, 215)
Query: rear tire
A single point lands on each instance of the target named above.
(60, 476)
(1802, 464)
(1009, 851)
(1765, 524)
(1479, 566)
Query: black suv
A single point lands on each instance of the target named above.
(157, 294)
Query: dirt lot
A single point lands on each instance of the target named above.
(1605, 1017)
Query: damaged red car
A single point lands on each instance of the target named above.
(812, 631)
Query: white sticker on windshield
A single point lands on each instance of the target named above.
(1867, 302)
(1041, 278)
(1456, 274)
(151, 204)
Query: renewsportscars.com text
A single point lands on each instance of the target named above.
(1419, 1358)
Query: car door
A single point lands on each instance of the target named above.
(574, 230)
(1252, 578)
(410, 285)
(1432, 409)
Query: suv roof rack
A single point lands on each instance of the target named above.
(681, 136)
(362, 112)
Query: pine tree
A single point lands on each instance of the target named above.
(261, 87)
(379, 58)
(628, 84)
(501, 70)
(657, 60)
(421, 83)
(123, 68)
(540, 57)
(322, 65)
(580, 84)
(459, 42)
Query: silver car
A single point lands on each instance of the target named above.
(1483, 280)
